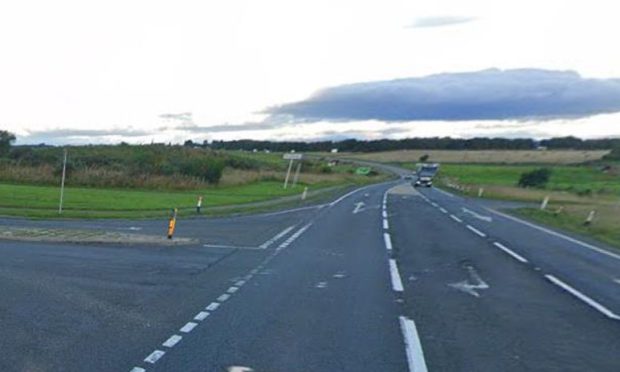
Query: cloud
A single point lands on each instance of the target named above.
(493, 94)
(62, 134)
(427, 22)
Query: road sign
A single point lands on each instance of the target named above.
(292, 156)
(362, 171)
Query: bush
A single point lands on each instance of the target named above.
(424, 158)
(535, 178)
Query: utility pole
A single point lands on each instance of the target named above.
(62, 182)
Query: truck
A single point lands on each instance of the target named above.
(425, 173)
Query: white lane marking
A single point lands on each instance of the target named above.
(617, 281)
(201, 316)
(291, 210)
(434, 204)
(477, 215)
(444, 192)
(321, 285)
(476, 231)
(173, 340)
(239, 369)
(510, 252)
(277, 237)
(212, 306)
(397, 283)
(557, 234)
(154, 356)
(240, 283)
(359, 207)
(384, 214)
(188, 327)
(413, 346)
(443, 210)
(223, 297)
(386, 225)
(137, 369)
(291, 239)
(232, 289)
(602, 309)
(228, 246)
(388, 241)
(469, 288)
(347, 195)
(456, 218)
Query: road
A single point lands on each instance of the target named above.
(385, 278)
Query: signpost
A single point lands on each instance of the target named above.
(62, 182)
(291, 157)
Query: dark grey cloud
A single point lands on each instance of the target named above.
(484, 95)
(440, 21)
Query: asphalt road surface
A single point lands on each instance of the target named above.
(386, 278)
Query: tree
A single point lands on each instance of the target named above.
(535, 178)
(6, 139)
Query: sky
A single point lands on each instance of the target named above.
(166, 71)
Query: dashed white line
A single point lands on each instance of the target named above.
(557, 234)
(397, 283)
(456, 218)
(201, 316)
(602, 309)
(443, 210)
(434, 204)
(188, 327)
(173, 340)
(223, 297)
(154, 356)
(279, 236)
(476, 231)
(413, 346)
(212, 306)
(137, 369)
(240, 283)
(388, 241)
(232, 289)
(384, 214)
(386, 225)
(510, 252)
(444, 192)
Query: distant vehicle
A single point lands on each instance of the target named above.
(408, 177)
(425, 174)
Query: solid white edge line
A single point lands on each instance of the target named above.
(456, 218)
(602, 309)
(289, 210)
(347, 195)
(173, 340)
(557, 234)
(510, 252)
(397, 283)
(386, 225)
(444, 192)
(476, 231)
(154, 356)
(388, 241)
(188, 327)
(413, 346)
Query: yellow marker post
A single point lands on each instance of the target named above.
(172, 223)
(199, 205)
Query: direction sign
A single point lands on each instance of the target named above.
(292, 156)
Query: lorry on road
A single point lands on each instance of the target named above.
(425, 173)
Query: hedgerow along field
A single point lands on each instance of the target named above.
(147, 181)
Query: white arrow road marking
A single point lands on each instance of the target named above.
(359, 207)
(468, 287)
(478, 216)
(239, 369)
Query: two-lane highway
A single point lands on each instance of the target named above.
(385, 278)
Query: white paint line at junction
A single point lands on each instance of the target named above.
(557, 234)
(476, 231)
(239, 369)
(240, 283)
(602, 309)
(386, 225)
(223, 297)
(456, 218)
(173, 340)
(359, 207)
(137, 369)
(443, 210)
(397, 283)
(232, 289)
(384, 214)
(347, 195)
(514, 255)
(388, 241)
(188, 327)
(477, 215)
(212, 306)
(434, 204)
(291, 210)
(413, 346)
(228, 246)
(277, 237)
(154, 356)
(201, 316)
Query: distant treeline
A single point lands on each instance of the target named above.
(434, 143)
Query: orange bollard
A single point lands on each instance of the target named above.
(172, 223)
